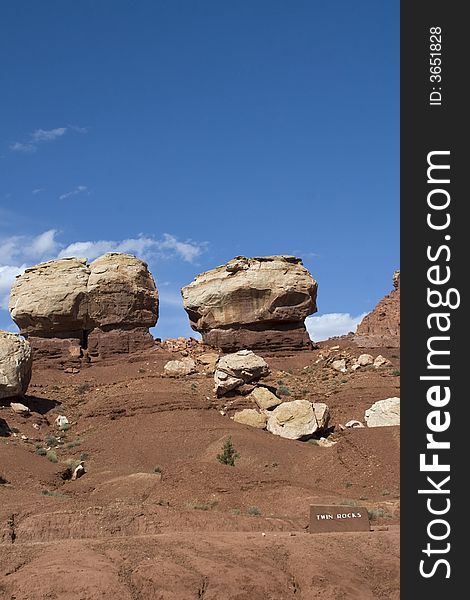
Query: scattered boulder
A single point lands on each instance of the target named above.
(353, 423)
(264, 398)
(322, 414)
(339, 365)
(20, 409)
(325, 443)
(208, 360)
(250, 416)
(62, 422)
(78, 471)
(15, 365)
(381, 327)
(234, 370)
(365, 359)
(258, 303)
(179, 368)
(71, 311)
(381, 361)
(296, 419)
(383, 413)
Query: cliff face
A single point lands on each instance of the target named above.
(381, 327)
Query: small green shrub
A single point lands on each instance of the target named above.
(283, 390)
(51, 440)
(52, 456)
(376, 513)
(52, 493)
(41, 451)
(254, 511)
(228, 454)
(74, 443)
(83, 388)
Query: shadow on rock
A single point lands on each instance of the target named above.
(5, 430)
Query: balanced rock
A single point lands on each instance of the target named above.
(264, 398)
(15, 365)
(383, 413)
(258, 303)
(297, 419)
(381, 327)
(68, 309)
(251, 417)
(179, 368)
(234, 370)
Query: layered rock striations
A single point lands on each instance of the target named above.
(258, 303)
(381, 327)
(69, 310)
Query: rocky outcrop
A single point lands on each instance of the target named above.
(383, 413)
(235, 370)
(70, 310)
(258, 303)
(15, 365)
(381, 327)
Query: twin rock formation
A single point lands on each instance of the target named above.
(68, 309)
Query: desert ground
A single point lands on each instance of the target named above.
(157, 516)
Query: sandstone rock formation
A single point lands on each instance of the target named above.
(180, 368)
(234, 370)
(381, 327)
(264, 398)
(258, 303)
(15, 365)
(383, 413)
(298, 419)
(69, 309)
(251, 417)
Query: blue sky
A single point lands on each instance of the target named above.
(188, 132)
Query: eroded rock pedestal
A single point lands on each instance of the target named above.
(70, 310)
(257, 303)
(381, 327)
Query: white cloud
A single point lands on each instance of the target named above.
(19, 248)
(40, 136)
(187, 250)
(20, 147)
(7, 277)
(37, 191)
(331, 325)
(78, 190)
(43, 244)
(48, 135)
(145, 247)
(16, 252)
